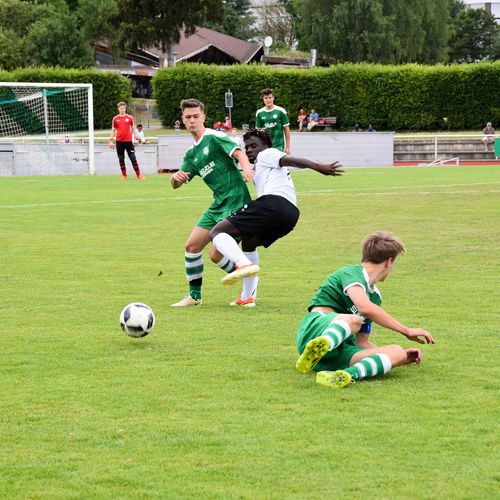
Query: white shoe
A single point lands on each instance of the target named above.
(187, 302)
(241, 272)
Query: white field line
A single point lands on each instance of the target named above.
(318, 192)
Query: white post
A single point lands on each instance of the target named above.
(90, 97)
(435, 147)
(46, 116)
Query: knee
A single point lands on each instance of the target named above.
(352, 320)
(192, 247)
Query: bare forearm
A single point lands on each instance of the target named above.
(383, 318)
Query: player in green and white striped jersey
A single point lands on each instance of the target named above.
(274, 119)
(213, 157)
(333, 338)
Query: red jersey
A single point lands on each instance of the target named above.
(123, 124)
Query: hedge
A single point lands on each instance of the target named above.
(108, 88)
(406, 97)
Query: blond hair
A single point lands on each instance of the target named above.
(380, 246)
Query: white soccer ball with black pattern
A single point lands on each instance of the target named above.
(137, 319)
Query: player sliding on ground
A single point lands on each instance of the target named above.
(213, 157)
(262, 221)
(333, 338)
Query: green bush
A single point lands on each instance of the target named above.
(108, 88)
(407, 97)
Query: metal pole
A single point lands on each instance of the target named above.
(90, 104)
(435, 147)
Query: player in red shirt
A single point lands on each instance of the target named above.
(123, 127)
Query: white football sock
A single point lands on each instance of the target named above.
(250, 284)
(228, 247)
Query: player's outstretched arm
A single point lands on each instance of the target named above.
(334, 169)
(383, 318)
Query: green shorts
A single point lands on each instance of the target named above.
(313, 325)
(211, 217)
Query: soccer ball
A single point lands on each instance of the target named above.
(137, 319)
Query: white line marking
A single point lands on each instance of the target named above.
(318, 192)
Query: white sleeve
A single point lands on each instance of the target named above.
(270, 158)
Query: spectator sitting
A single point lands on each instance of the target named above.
(370, 128)
(357, 128)
(302, 119)
(177, 127)
(140, 139)
(217, 125)
(227, 125)
(313, 120)
(489, 138)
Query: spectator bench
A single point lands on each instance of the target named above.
(327, 122)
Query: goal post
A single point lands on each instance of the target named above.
(46, 128)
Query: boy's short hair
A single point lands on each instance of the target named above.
(267, 91)
(139, 125)
(121, 103)
(263, 135)
(192, 103)
(380, 246)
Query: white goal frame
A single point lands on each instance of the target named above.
(90, 111)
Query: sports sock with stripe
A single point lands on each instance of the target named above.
(371, 366)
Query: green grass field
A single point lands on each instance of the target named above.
(209, 405)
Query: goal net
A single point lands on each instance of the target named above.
(46, 129)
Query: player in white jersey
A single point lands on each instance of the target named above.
(269, 217)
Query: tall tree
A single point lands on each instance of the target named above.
(278, 22)
(476, 36)
(349, 30)
(57, 41)
(145, 23)
(41, 33)
(384, 31)
(236, 19)
(96, 18)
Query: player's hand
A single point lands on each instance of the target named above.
(111, 144)
(248, 174)
(334, 169)
(287, 150)
(181, 177)
(413, 356)
(415, 334)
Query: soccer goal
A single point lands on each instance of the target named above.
(46, 129)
